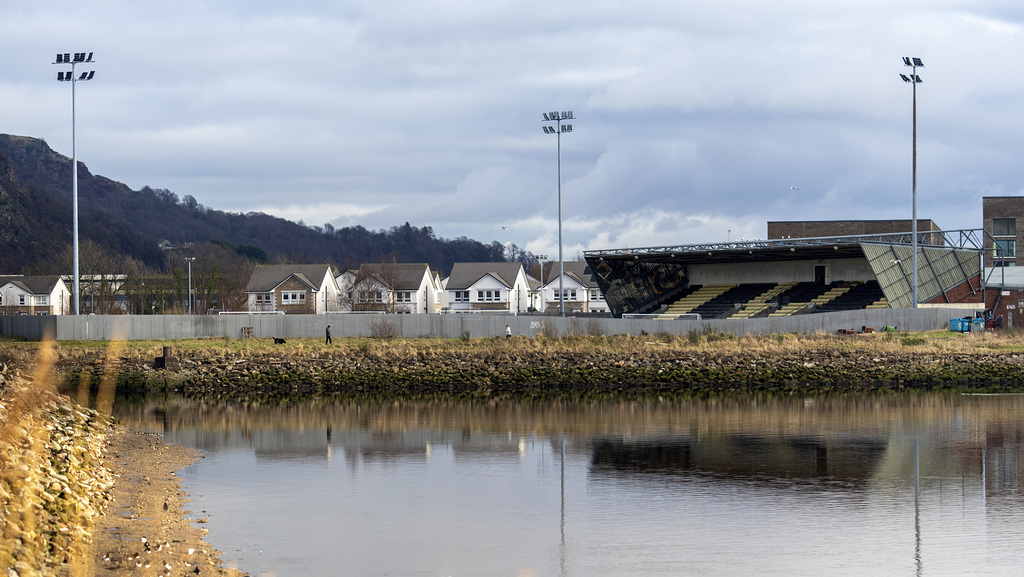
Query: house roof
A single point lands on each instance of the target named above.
(466, 274)
(577, 270)
(395, 276)
(267, 277)
(35, 284)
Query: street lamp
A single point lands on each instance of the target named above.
(558, 118)
(190, 260)
(542, 258)
(914, 80)
(64, 76)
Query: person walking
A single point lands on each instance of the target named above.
(328, 335)
(508, 331)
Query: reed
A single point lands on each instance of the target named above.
(52, 482)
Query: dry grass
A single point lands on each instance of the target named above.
(23, 353)
(51, 481)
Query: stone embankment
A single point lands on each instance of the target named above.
(537, 372)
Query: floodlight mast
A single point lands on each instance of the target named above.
(558, 118)
(914, 80)
(65, 76)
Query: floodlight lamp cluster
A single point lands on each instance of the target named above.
(73, 59)
(65, 58)
(914, 63)
(553, 130)
(69, 76)
(558, 117)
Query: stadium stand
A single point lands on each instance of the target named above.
(730, 301)
(860, 296)
(693, 300)
(761, 304)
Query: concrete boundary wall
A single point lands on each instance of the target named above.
(173, 327)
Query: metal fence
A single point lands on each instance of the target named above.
(174, 327)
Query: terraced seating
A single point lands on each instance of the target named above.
(693, 300)
(830, 295)
(798, 299)
(725, 304)
(760, 303)
(880, 303)
(861, 296)
(720, 300)
(789, 310)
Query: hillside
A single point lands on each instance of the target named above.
(35, 222)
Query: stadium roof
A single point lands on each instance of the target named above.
(793, 248)
(642, 278)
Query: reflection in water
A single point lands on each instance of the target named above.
(853, 485)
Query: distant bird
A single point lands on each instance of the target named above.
(504, 227)
(895, 261)
(793, 188)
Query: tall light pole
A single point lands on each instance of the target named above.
(541, 258)
(65, 76)
(190, 260)
(558, 118)
(914, 63)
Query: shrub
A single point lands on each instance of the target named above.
(383, 329)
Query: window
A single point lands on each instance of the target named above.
(403, 296)
(1004, 227)
(1, 300)
(293, 298)
(1006, 249)
(40, 300)
(21, 300)
(570, 294)
(488, 296)
(264, 298)
(461, 296)
(595, 295)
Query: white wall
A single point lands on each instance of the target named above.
(170, 327)
(842, 269)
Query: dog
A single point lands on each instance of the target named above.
(278, 341)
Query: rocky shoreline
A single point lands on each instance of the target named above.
(517, 372)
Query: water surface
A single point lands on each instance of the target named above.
(843, 485)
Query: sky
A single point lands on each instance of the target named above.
(694, 122)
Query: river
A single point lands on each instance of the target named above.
(915, 484)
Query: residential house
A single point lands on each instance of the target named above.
(582, 295)
(487, 286)
(35, 295)
(346, 282)
(404, 288)
(440, 297)
(293, 289)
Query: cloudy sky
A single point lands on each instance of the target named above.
(694, 121)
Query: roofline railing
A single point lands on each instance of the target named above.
(965, 239)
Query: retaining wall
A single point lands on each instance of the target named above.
(172, 327)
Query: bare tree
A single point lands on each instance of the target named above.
(375, 286)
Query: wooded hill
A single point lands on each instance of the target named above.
(36, 224)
